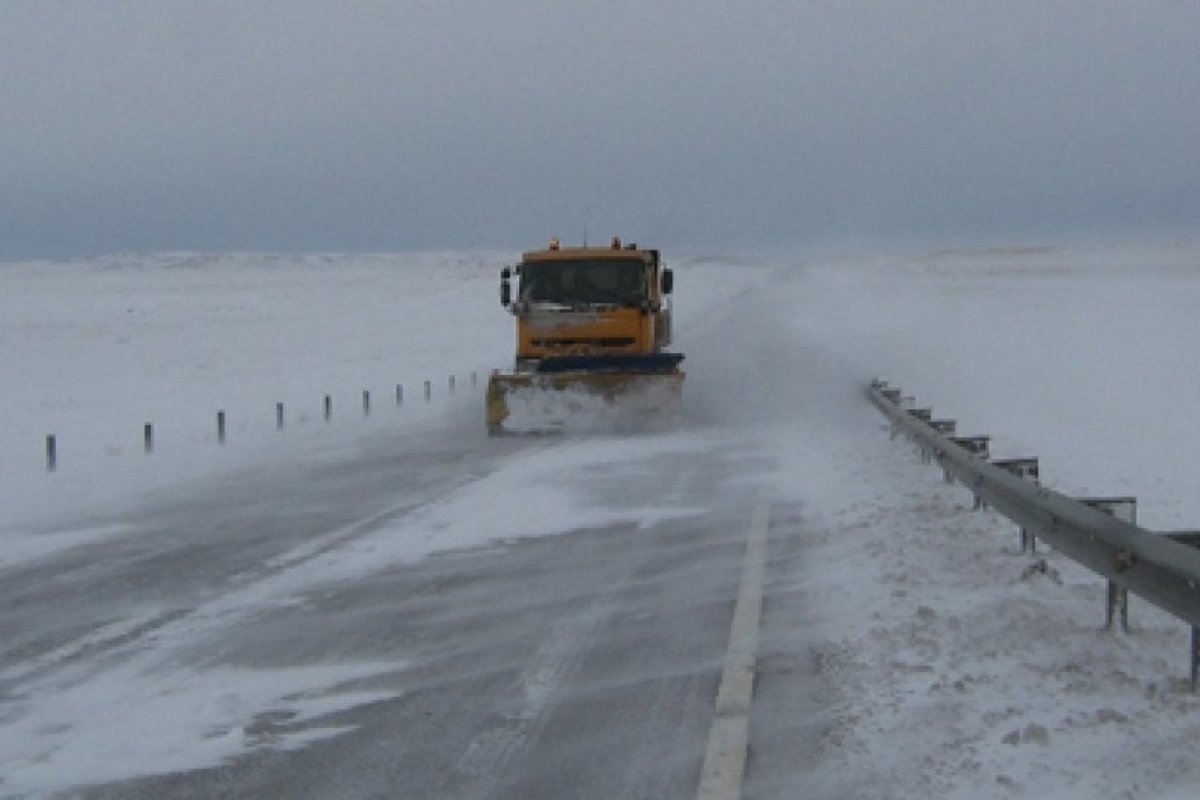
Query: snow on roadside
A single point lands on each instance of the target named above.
(949, 664)
(915, 650)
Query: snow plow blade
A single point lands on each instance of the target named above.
(585, 401)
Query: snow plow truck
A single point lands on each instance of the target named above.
(593, 325)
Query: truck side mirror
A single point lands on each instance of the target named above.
(505, 287)
(668, 281)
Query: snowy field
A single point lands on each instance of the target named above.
(94, 350)
(904, 635)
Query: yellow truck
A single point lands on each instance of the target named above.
(593, 325)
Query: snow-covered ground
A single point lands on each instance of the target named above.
(943, 665)
(93, 350)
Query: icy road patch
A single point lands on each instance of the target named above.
(129, 721)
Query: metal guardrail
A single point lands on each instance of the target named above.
(1099, 532)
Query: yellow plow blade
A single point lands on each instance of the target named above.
(520, 402)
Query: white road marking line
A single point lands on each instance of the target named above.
(728, 740)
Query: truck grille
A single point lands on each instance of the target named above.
(598, 342)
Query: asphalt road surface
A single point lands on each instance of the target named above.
(579, 664)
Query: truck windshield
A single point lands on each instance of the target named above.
(608, 281)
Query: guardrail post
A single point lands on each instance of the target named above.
(1116, 596)
(1029, 469)
(399, 394)
(893, 397)
(946, 427)
(428, 391)
(474, 380)
(279, 416)
(220, 427)
(148, 438)
(450, 384)
(1195, 656)
(1028, 541)
(51, 452)
(1123, 508)
(328, 408)
(366, 395)
(922, 415)
(1191, 539)
(1118, 602)
(976, 446)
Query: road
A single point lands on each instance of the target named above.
(228, 641)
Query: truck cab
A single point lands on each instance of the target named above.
(588, 301)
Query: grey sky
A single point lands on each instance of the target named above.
(394, 125)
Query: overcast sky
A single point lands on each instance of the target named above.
(323, 126)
